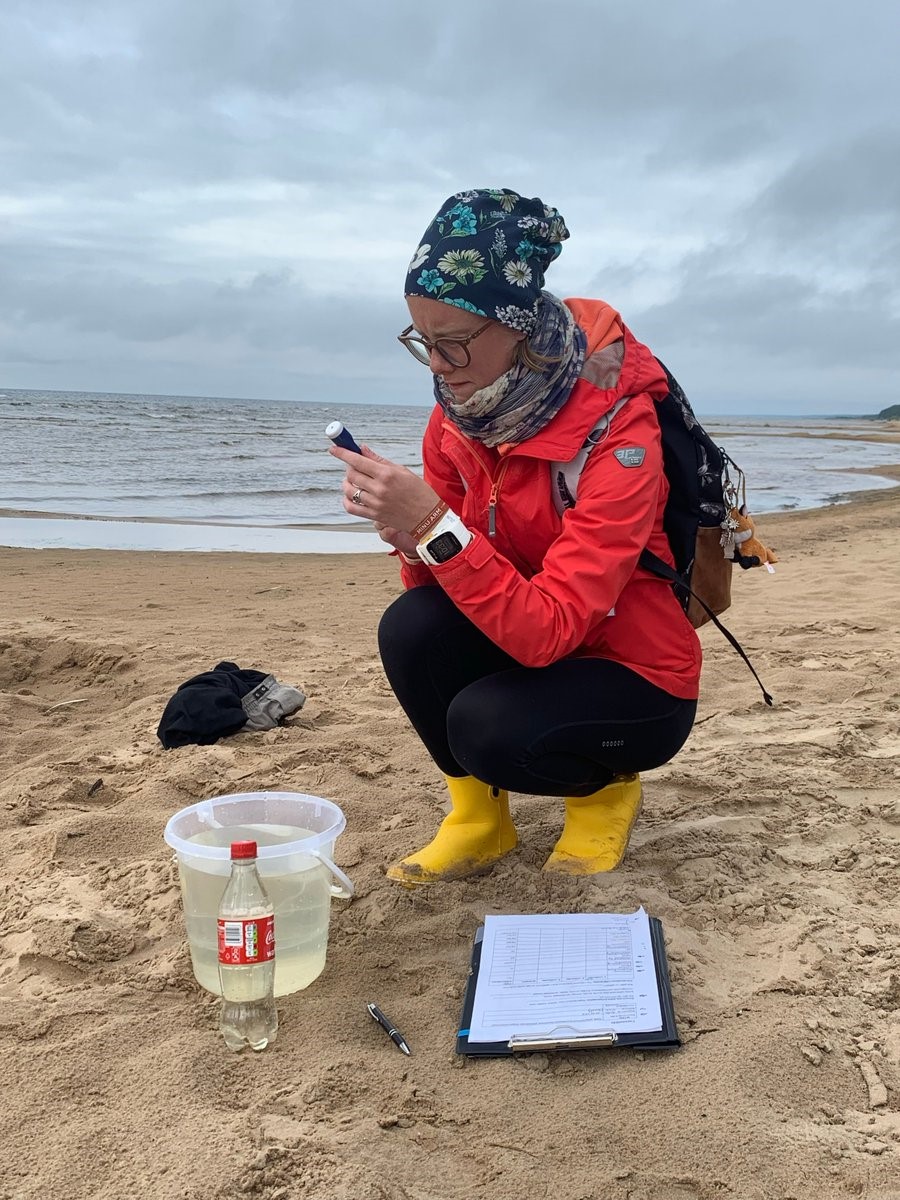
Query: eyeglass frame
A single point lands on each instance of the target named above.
(463, 343)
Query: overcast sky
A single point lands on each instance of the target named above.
(208, 197)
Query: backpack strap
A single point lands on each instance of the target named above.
(565, 475)
(650, 562)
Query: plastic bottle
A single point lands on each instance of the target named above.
(246, 955)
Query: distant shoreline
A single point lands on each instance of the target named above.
(7, 391)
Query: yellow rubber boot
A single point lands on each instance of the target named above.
(597, 828)
(476, 832)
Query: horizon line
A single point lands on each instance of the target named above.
(843, 416)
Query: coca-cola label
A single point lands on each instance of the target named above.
(243, 942)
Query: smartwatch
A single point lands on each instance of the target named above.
(444, 541)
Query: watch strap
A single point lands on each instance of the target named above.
(449, 523)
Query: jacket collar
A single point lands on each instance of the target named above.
(563, 436)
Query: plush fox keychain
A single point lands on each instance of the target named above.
(739, 542)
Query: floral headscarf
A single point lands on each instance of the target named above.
(486, 252)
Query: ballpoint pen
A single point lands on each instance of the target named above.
(389, 1028)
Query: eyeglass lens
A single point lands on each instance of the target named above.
(452, 352)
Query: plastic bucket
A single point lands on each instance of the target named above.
(295, 834)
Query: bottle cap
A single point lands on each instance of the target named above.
(333, 429)
(243, 850)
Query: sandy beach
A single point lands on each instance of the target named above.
(768, 848)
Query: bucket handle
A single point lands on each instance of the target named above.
(343, 889)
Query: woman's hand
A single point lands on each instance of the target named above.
(398, 538)
(391, 496)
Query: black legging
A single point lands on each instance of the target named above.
(562, 730)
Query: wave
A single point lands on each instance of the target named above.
(245, 494)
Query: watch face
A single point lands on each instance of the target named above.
(444, 546)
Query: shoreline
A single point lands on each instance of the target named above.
(51, 529)
(771, 527)
(147, 535)
(40, 514)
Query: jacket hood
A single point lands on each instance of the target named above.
(562, 438)
(599, 320)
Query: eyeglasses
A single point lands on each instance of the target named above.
(455, 351)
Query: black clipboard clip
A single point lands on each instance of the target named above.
(562, 1041)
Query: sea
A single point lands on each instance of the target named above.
(88, 470)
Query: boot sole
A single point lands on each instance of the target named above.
(465, 870)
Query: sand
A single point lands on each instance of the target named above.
(768, 848)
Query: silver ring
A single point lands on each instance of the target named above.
(356, 498)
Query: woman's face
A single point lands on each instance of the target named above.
(492, 353)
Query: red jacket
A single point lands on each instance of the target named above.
(546, 587)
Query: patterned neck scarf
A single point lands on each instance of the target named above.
(520, 403)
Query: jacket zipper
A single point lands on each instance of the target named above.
(494, 497)
(496, 481)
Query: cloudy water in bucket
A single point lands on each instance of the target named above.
(300, 893)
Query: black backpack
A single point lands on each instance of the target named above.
(702, 494)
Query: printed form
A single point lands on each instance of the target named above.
(565, 973)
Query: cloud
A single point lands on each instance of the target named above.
(223, 197)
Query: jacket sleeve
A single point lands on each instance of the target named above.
(445, 480)
(548, 617)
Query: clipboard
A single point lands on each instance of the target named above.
(666, 1038)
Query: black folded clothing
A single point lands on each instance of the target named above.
(212, 705)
